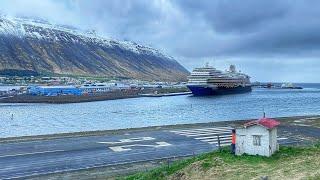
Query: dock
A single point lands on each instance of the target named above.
(167, 94)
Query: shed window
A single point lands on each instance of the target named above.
(256, 140)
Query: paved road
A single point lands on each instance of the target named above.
(32, 158)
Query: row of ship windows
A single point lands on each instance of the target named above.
(219, 82)
(219, 75)
(227, 80)
(212, 75)
(193, 74)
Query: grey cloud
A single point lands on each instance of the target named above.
(255, 28)
(236, 16)
(124, 19)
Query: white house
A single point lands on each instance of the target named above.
(257, 137)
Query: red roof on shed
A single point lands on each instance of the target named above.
(266, 122)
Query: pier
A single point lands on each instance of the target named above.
(62, 99)
(166, 94)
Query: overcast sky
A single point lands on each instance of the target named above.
(271, 40)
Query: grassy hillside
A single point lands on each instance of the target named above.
(288, 163)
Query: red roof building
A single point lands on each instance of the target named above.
(257, 137)
(265, 122)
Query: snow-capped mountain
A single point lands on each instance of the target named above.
(40, 47)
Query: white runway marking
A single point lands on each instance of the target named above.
(31, 153)
(127, 147)
(138, 139)
(208, 135)
(119, 146)
(205, 134)
(214, 137)
(202, 130)
(284, 138)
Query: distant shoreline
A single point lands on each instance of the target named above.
(119, 94)
(64, 99)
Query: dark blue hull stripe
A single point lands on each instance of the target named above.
(207, 91)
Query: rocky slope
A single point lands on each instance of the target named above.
(31, 47)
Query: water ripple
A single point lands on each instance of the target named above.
(35, 119)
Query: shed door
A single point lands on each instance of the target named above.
(241, 144)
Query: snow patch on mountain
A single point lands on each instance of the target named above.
(42, 29)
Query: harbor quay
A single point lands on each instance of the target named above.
(106, 154)
(87, 93)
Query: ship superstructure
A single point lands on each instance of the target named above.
(210, 81)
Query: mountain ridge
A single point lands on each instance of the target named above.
(44, 48)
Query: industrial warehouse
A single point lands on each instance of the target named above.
(75, 90)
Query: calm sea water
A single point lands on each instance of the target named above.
(36, 119)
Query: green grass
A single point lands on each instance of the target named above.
(220, 159)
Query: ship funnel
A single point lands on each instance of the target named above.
(232, 68)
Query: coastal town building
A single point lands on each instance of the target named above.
(53, 90)
(75, 90)
(257, 137)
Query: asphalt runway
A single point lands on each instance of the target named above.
(41, 157)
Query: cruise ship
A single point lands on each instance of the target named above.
(208, 80)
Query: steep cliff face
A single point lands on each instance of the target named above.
(38, 47)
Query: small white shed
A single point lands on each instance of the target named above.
(257, 137)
